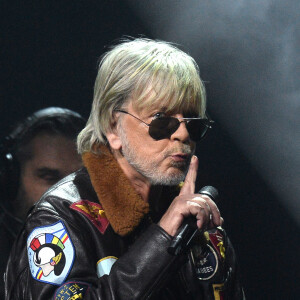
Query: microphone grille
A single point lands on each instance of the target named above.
(210, 191)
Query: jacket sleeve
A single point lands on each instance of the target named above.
(53, 259)
(211, 271)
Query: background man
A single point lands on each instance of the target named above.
(39, 152)
(104, 232)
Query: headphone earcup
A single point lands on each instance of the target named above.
(9, 174)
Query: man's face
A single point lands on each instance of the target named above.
(53, 157)
(163, 161)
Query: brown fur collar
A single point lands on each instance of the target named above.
(123, 207)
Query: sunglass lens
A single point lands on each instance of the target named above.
(164, 127)
(197, 129)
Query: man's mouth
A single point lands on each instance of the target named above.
(179, 156)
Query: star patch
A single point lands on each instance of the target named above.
(94, 212)
(71, 290)
(50, 253)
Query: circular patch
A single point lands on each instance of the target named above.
(72, 290)
(205, 261)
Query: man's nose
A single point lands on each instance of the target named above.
(181, 134)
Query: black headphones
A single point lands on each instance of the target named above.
(9, 166)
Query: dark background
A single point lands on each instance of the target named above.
(49, 54)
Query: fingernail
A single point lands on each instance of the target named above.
(194, 158)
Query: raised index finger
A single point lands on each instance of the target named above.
(190, 179)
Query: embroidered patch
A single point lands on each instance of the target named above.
(205, 261)
(104, 265)
(218, 291)
(94, 212)
(50, 253)
(71, 290)
(216, 239)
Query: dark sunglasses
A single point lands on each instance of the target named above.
(163, 127)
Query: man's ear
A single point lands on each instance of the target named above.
(114, 140)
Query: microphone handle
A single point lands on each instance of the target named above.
(189, 228)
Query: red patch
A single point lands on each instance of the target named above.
(217, 241)
(94, 212)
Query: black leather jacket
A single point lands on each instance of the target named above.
(72, 247)
(10, 225)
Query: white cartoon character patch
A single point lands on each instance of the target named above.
(50, 253)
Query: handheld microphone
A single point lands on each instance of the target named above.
(188, 229)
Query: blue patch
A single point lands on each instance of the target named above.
(71, 290)
(205, 261)
(50, 253)
(104, 265)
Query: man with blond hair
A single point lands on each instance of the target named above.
(111, 230)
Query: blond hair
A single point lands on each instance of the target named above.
(151, 74)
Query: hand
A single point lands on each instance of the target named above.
(207, 214)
